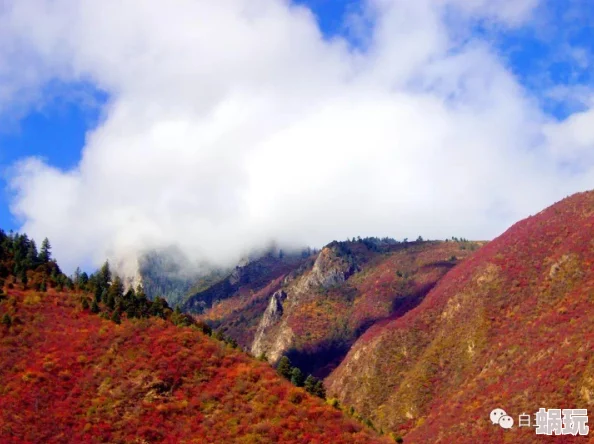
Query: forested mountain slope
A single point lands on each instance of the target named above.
(511, 327)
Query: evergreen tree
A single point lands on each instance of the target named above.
(284, 368)
(6, 320)
(115, 317)
(116, 289)
(110, 301)
(131, 311)
(98, 294)
(310, 384)
(85, 303)
(45, 252)
(84, 280)
(76, 277)
(320, 390)
(43, 286)
(297, 377)
(104, 278)
(94, 307)
(103, 296)
(24, 279)
(130, 294)
(32, 255)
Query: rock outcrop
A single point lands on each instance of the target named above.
(271, 317)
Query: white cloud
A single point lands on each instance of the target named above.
(231, 123)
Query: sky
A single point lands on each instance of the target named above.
(217, 128)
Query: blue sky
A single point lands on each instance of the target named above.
(550, 56)
(537, 54)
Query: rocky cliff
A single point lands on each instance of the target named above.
(315, 313)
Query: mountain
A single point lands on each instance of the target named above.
(252, 275)
(168, 273)
(67, 375)
(314, 309)
(510, 327)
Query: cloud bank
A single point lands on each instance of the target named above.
(236, 122)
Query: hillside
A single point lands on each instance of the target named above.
(511, 327)
(67, 375)
(244, 280)
(313, 312)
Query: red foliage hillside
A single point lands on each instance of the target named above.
(67, 375)
(511, 327)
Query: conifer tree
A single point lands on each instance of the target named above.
(45, 252)
(104, 278)
(98, 294)
(310, 384)
(284, 368)
(115, 317)
(297, 377)
(94, 307)
(6, 320)
(320, 390)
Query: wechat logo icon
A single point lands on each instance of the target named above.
(498, 416)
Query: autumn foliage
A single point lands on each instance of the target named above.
(511, 327)
(68, 375)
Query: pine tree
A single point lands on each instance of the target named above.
(320, 390)
(110, 301)
(104, 275)
(32, 255)
(85, 303)
(94, 307)
(76, 277)
(24, 279)
(45, 252)
(131, 311)
(284, 368)
(117, 287)
(115, 317)
(98, 294)
(297, 377)
(310, 384)
(6, 320)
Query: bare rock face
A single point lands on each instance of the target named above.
(274, 335)
(271, 317)
(329, 270)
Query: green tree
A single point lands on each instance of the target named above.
(85, 303)
(32, 258)
(45, 252)
(104, 278)
(94, 307)
(110, 301)
(24, 279)
(284, 368)
(98, 294)
(116, 289)
(297, 377)
(320, 390)
(115, 317)
(6, 320)
(310, 384)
